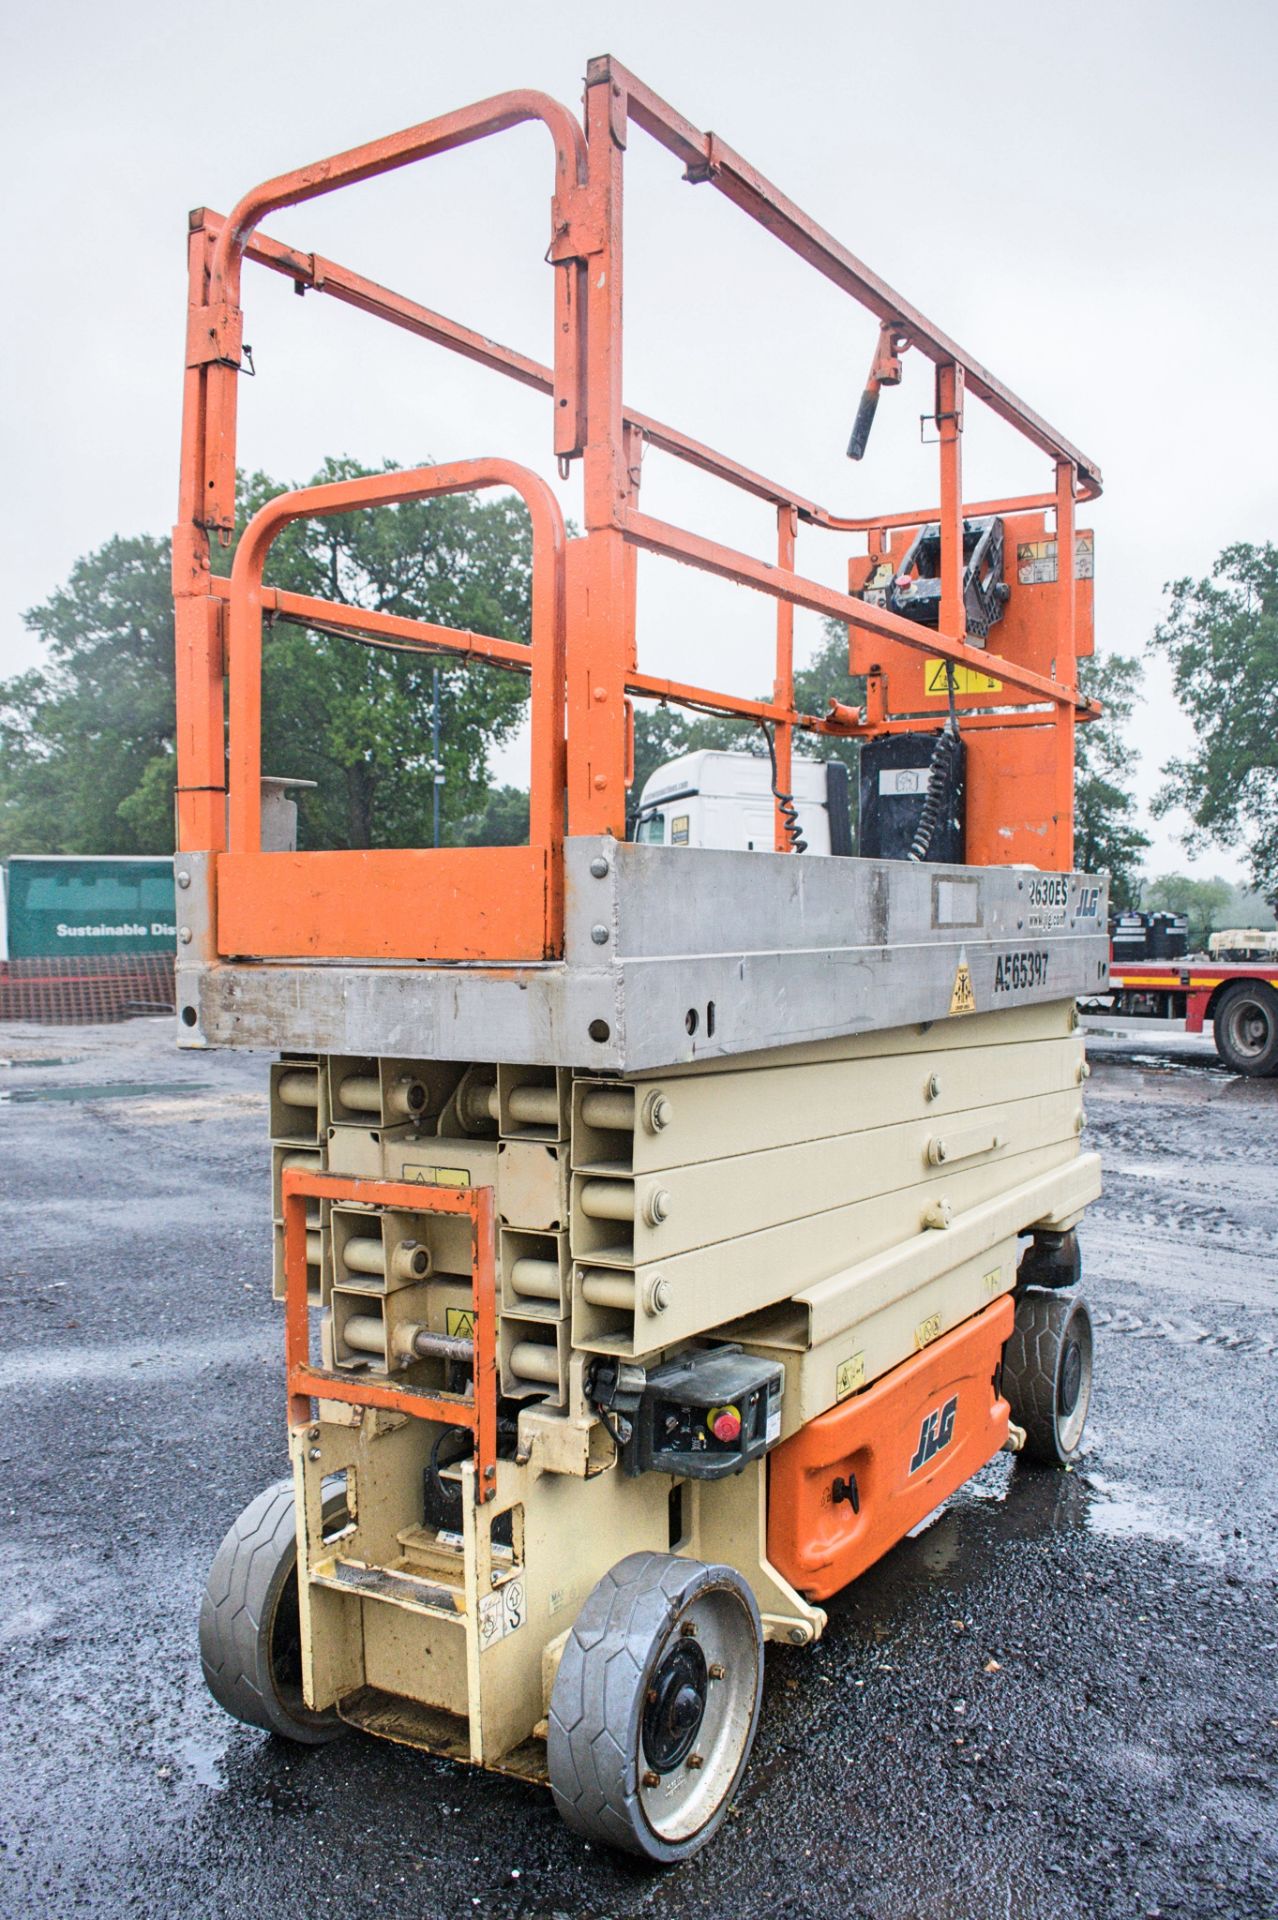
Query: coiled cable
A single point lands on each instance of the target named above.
(941, 774)
(785, 801)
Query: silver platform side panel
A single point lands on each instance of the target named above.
(678, 954)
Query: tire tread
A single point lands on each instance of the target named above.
(1029, 1370)
(252, 1561)
(592, 1774)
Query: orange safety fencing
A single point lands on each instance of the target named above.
(67, 991)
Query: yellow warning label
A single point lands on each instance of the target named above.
(1036, 560)
(994, 1280)
(849, 1376)
(418, 1176)
(966, 680)
(963, 998)
(459, 1322)
(927, 1331)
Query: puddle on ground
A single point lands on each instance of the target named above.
(1160, 1063)
(202, 1759)
(50, 1060)
(107, 1090)
(1035, 1505)
(1122, 1512)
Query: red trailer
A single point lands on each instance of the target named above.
(1239, 998)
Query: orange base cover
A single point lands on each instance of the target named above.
(854, 1481)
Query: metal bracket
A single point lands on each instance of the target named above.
(215, 336)
(698, 171)
(577, 228)
(937, 419)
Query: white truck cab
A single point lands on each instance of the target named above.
(713, 799)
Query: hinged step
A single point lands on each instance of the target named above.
(414, 1725)
(403, 1588)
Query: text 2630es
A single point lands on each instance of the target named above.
(1013, 972)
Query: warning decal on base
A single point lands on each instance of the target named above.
(415, 1175)
(963, 998)
(927, 1331)
(460, 1322)
(966, 680)
(501, 1613)
(849, 1376)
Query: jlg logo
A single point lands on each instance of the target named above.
(936, 1432)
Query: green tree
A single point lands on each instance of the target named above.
(1204, 902)
(663, 733)
(82, 735)
(1221, 637)
(826, 678)
(357, 719)
(502, 821)
(86, 741)
(1245, 908)
(1106, 837)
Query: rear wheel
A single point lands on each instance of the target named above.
(1246, 1028)
(1047, 1374)
(655, 1705)
(250, 1634)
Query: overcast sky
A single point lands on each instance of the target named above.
(1084, 197)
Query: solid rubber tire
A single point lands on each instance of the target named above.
(248, 1581)
(597, 1703)
(1032, 1362)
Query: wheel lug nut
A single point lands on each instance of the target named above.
(694, 1762)
(651, 1779)
(717, 1670)
(688, 1630)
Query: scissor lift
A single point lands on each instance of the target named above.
(661, 1232)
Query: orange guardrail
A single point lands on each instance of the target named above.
(1018, 705)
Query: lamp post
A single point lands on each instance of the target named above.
(436, 764)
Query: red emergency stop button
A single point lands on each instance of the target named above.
(724, 1422)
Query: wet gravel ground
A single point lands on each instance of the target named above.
(1057, 1700)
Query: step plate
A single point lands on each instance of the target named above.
(433, 1731)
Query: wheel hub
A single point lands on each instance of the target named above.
(1071, 1379)
(1250, 1028)
(675, 1706)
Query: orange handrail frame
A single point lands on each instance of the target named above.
(306, 1381)
(1017, 697)
(376, 902)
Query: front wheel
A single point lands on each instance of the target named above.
(1245, 1024)
(655, 1705)
(1047, 1374)
(250, 1634)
